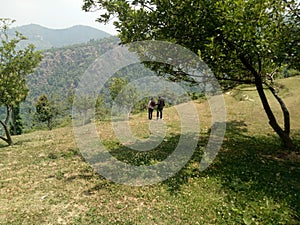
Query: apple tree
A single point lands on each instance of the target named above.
(15, 65)
(242, 41)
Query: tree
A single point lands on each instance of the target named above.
(15, 65)
(45, 111)
(241, 41)
(123, 94)
(16, 124)
(82, 104)
(101, 108)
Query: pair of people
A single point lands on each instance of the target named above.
(160, 106)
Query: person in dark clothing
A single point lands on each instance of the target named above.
(151, 106)
(160, 106)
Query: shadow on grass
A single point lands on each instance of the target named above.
(3, 144)
(250, 168)
(258, 170)
(253, 170)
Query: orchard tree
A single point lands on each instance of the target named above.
(116, 84)
(242, 41)
(15, 65)
(16, 125)
(45, 111)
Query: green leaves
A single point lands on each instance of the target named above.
(15, 65)
(242, 41)
(45, 111)
(222, 29)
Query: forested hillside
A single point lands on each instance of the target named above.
(61, 69)
(59, 72)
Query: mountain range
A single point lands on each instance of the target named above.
(46, 38)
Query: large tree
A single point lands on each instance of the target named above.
(15, 65)
(242, 41)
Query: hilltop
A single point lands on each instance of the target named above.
(45, 38)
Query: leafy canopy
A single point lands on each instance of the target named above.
(232, 36)
(242, 41)
(15, 65)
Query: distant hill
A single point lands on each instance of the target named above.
(45, 38)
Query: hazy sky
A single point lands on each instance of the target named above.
(50, 13)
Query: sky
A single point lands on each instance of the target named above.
(55, 14)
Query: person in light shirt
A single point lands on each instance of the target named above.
(151, 106)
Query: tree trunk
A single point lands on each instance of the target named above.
(49, 123)
(283, 134)
(13, 122)
(285, 111)
(8, 139)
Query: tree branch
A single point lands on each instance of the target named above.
(286, 114)
(8, 109)
(237, 80)
(1, 137)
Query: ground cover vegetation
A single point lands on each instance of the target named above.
(253, 180)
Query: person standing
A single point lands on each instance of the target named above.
(160, 106)
(151, 106)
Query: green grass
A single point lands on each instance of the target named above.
(45, 180)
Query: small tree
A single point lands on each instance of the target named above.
(101, 108)
(15, 65)
(115, 86)
(45, 111)
(83, 103)
(122, 93)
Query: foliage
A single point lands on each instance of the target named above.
(219, 31)
(123, 94)
(251, 181)
(102, 110)
(15, 65)
(45, 111)
(59, 73)
(241, 41)
(16, 125)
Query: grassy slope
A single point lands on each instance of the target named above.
(43, 179)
